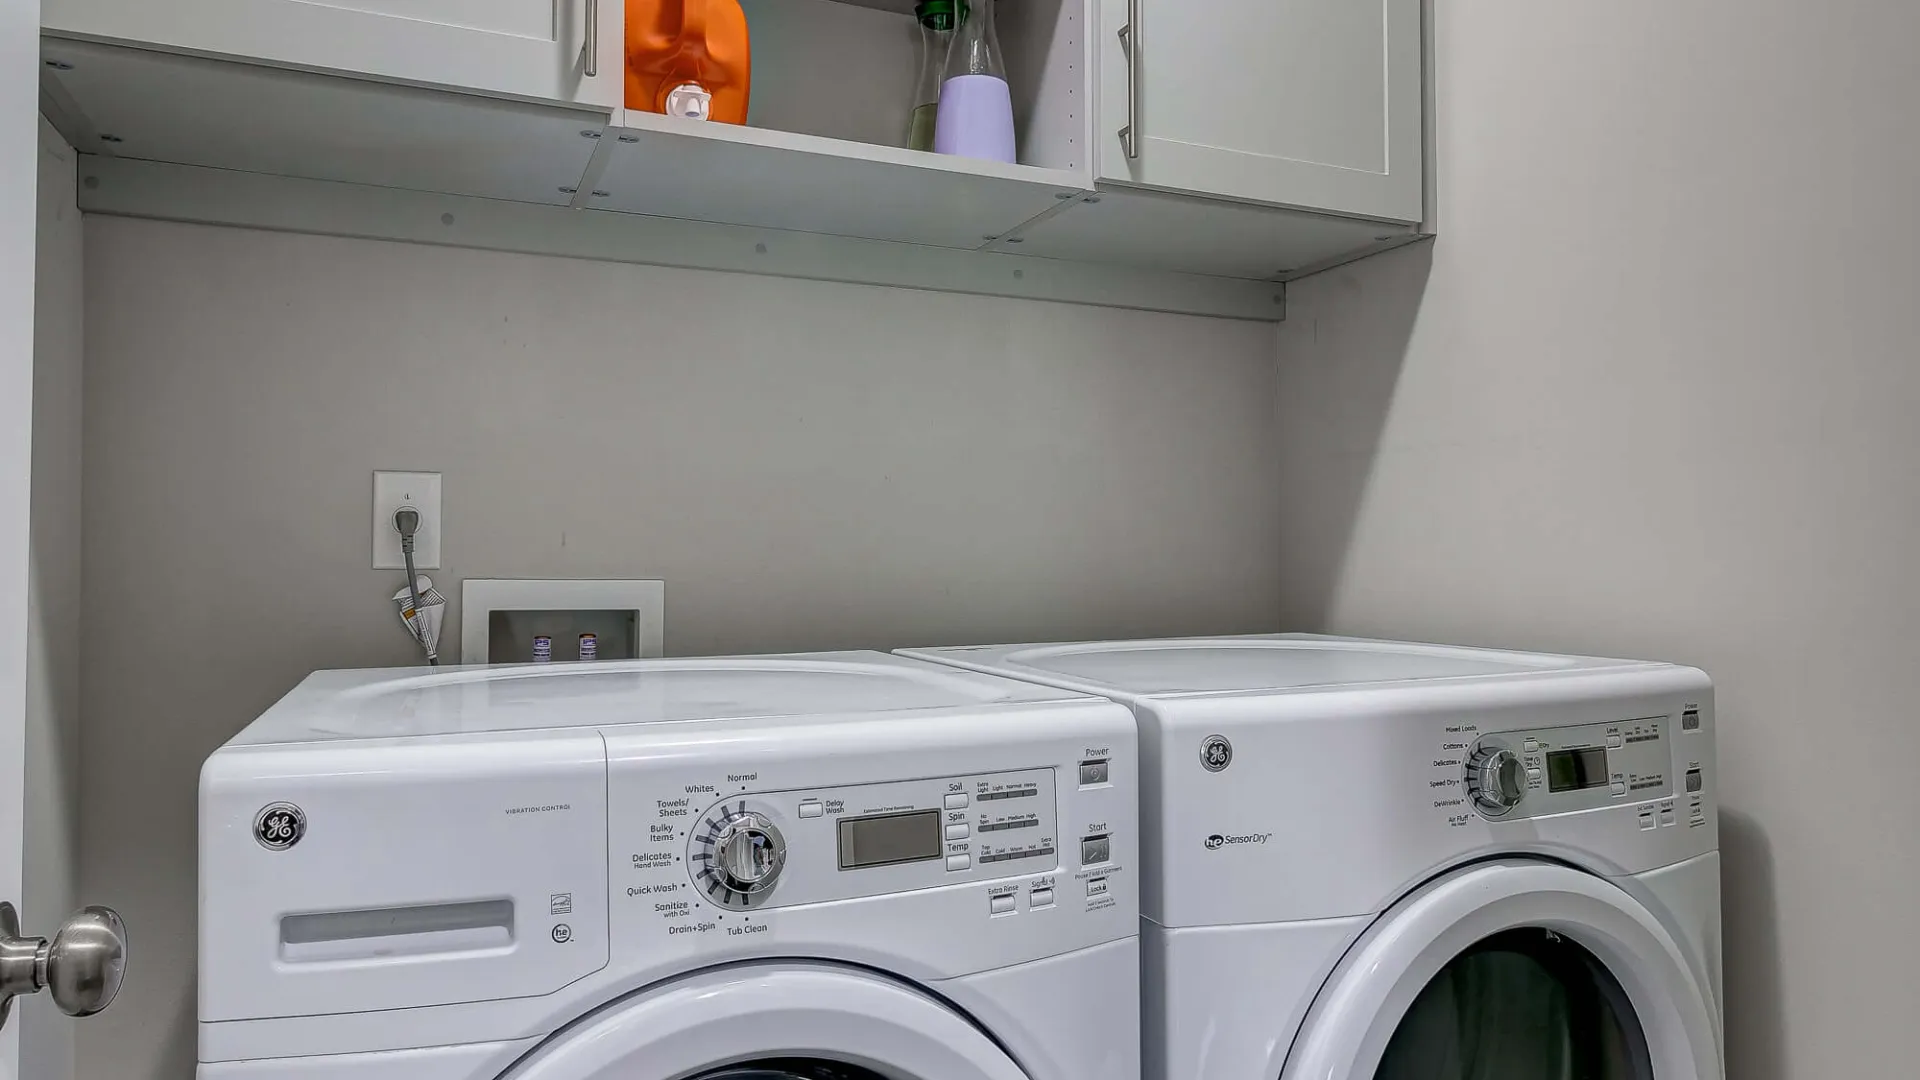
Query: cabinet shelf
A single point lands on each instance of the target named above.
(670, 167)
(898, 7)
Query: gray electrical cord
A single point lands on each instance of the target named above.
(407, 520)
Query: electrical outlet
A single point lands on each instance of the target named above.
(391, 491)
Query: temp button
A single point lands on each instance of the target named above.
(959, 862)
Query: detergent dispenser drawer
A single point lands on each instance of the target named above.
(366, 876)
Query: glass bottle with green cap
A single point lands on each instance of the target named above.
(938, 20)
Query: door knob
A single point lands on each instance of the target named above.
(80, 968)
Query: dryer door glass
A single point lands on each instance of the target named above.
(791, 1070)
(1524, 1004)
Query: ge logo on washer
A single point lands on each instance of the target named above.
(279, 826)
(1216, 753)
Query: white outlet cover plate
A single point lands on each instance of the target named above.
(391, 491)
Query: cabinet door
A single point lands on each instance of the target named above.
(532, 49)
(1315, 104)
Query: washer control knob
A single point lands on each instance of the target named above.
(1497, 780)
(748, 854)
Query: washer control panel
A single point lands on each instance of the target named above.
(1522, 774)
(776, 849)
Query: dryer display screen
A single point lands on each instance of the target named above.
(1574, 770)
(886, 839)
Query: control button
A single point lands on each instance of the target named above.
(1040, 898)
(810, 808)
(1615, 742)
(1097, 887)
(1095, 850)
(1000, 905)
(747, 855)
(1646, 819)
(1496, 780)
(959, 862)
(957, 832)
(1694, 781)
(1531, 746)
(1533, 776)
(1667, 816)
(1690, 720)
(1093, 772)
(1619, 788)
(957, 802)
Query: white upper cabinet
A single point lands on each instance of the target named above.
(1311, 104)
(532, 49)
(1265, 139)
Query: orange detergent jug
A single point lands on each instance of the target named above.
(688, 58)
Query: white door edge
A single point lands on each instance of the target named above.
(1362, 1004)
(772, 1010)
(19, 181)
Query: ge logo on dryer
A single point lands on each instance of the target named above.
(279, 826)
(1216, 753)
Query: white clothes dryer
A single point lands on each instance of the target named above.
(829, 867)
(1367, 860)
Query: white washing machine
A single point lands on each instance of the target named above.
(1375, 861)
(830, 867)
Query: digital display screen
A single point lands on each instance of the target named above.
(1573, 770)
(886, 839)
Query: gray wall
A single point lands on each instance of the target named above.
(807, 465)
(1654, 391)
(53, 597)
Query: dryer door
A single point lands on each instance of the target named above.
(772, 1022)
(1511, 970)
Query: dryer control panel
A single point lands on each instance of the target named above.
(1521, 774)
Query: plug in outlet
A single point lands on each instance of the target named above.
(391, 491)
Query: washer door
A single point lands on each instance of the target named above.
(1511, 970)
(772, 1022)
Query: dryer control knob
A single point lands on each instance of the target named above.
(749, 854)
(1496, 779)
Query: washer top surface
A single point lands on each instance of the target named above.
(1272, 663)
(401, 702)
